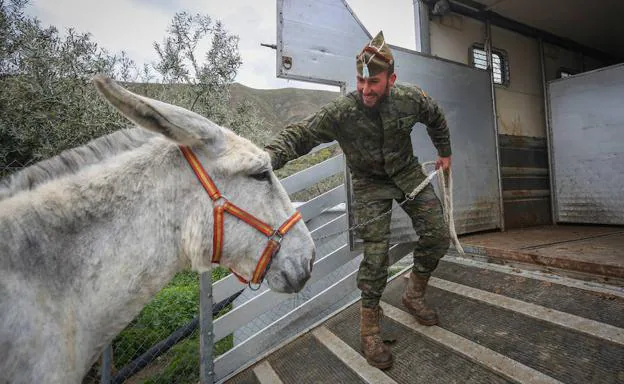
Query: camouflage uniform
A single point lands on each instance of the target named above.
(378, 150)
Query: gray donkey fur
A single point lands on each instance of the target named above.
(73, 160)
(83, 247)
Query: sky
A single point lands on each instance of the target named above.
(133, 26)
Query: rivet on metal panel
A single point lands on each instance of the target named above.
(287, 62)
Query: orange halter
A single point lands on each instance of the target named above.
(275, 236)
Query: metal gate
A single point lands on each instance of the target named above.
(587, 146)
(318, 41)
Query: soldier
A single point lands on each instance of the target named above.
(372, 126)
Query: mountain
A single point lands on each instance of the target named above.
(277, 107)
(280, 107)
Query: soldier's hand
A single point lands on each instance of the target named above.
(444, 163)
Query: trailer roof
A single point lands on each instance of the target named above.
(596, 24)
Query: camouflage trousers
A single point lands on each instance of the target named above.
(428, 221)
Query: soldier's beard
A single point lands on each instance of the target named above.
(380, 98)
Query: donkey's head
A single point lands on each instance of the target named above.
(243, 176)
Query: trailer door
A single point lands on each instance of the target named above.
(587, 146)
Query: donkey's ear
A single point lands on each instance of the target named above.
(176, 123)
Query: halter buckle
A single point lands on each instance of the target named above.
(277, 237)
(220, 201)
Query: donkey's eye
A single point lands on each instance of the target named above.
(262, 176)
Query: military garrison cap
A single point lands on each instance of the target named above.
(375, 57)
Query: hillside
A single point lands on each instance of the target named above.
(279, 107)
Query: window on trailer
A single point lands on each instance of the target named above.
(500, 64)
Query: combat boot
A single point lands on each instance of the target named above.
(376, 352)
(414, 300)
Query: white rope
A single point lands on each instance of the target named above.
(447, 199)
(447, 205)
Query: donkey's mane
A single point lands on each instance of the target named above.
(73, 160)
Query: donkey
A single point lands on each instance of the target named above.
(83, 251)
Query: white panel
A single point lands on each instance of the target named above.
(587, 123)
(319, 37)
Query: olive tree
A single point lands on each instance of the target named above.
(47, 101)
(202, 85)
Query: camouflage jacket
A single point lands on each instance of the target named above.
(376, 142)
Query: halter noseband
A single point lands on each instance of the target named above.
(221, 205)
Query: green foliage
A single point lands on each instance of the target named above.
(394, 270)
(45, 93)
(174, 306)
(48, 103)
(307, 161)
(219, 273)
(185, 279)
(183, 367)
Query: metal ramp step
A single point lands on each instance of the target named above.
(417, 358)
(497, 325)
(566, 295)
(307, 360)
(570, 356)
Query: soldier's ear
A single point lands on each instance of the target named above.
(392, 78)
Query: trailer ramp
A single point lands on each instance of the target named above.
(498, 324)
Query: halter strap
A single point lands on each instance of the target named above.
(274, 236)
(201, 173)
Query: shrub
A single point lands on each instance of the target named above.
(174, 306)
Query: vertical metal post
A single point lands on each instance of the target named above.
(488, 51)
(348, 192)
(549, 148)
(421, 25)
(206, 338)
(107, 362)
(349, 206)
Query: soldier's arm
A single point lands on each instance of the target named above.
(432, 116)
(298, 139)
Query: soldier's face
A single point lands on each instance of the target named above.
(374, 88)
